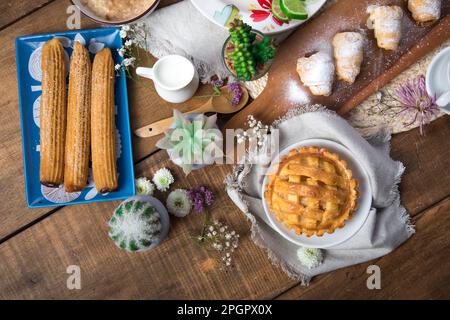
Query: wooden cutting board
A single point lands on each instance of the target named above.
(284, 89)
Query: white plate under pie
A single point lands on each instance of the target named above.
(359, 217)
(438, 76)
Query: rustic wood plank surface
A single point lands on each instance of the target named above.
(36, 246)
(14, 212)
(145, 107)
(426, 160)
(35, 259)
(14, 10)
(378, 68)
(34, 262)
(416, 270)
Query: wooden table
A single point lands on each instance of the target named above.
(36, 246)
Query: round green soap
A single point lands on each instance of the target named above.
(136, 225)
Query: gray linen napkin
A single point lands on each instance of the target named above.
(388, 224)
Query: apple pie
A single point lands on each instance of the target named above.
(311, 191)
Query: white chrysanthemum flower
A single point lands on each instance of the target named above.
(126, 28)
(123, 34)
(144, 187)
(310, 257)
(163, 179)
(129, 43)
(178, 203)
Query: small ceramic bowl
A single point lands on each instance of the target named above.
(164, 216)
(93, 16)
(438, 76)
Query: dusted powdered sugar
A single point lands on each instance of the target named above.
(385, 18)
(348, 44)
(317, 73)
(387, 24)
(425, 10)
(348, 53)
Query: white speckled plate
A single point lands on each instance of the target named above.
(256, 13)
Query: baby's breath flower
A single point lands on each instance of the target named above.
(240, 138)
(221, 243)
(178, 203)
(310, 257)
(257, 132)
(163, 179)
(128, 62)
(144, 186)
(134, 37)
(121, 52)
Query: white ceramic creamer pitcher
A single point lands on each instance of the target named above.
(175, 78)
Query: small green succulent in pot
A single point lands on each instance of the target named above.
(139, 224)
(247, 53)
(193, 141)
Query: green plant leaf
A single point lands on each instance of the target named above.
(165, 143)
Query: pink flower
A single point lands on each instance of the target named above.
(261, 15)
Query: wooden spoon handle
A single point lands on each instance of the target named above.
(160, 126)
(154, 129)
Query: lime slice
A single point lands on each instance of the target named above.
(294, 9)
(277, 13)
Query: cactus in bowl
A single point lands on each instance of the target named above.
(137, 224)
(192, 141)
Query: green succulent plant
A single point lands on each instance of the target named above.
(191, 140)
(248, 54)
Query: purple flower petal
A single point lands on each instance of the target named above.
(217, 83)
(199, 197)
(415, 100)
(235, 89)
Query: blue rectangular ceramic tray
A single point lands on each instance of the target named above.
(28, 57)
